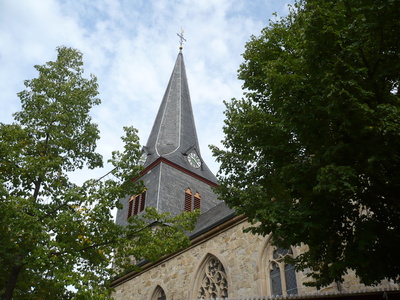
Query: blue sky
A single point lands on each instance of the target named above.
(131, 46)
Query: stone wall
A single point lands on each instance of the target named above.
(243, 256)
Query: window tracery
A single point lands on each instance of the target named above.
(214, 282)
(282, 276)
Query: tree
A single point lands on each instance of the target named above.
(58, 239)
(312, 151)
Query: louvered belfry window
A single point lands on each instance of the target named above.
(136, 204)
(192, 202)
(188, 200)
(196, 202)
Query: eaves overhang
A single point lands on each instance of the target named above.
(176, 166)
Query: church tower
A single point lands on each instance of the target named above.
(175, 176)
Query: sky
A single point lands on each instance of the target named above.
(131, 47)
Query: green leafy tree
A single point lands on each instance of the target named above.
(312, 151)
(58, 239)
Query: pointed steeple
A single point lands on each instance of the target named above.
(174, 135)
(175, 176)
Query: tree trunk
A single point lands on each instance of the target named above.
(12, 282)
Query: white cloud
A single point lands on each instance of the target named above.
(131, 46)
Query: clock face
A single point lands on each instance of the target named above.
(194, 160)
(142, 158)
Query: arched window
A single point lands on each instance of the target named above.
(158, 294)
(192, 202)
(213, 281)
(136, 204)
(282, 276)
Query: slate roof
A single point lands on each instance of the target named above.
(174, 134)
(212, 218)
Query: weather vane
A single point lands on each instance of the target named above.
(181, 39)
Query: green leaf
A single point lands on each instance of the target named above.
(312, 151)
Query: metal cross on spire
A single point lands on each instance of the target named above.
(181, 39)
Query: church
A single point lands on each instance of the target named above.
(222, 262)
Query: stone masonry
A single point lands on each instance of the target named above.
(242, 255)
